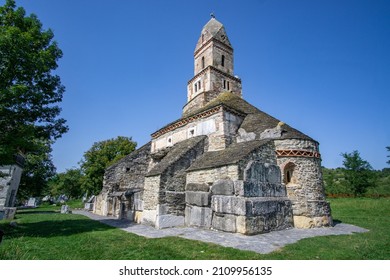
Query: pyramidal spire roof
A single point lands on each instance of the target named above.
(213, 29)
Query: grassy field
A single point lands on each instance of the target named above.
(44, 234)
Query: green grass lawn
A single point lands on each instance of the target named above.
(44, 234)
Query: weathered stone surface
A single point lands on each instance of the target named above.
(262, 172)
(175, 202)
(149, 217)
(197, 198)
(249, 206)
(198, 216)
(303, 222)
(10, 176)
(197, 187)
(260, 206)
(128, 172)
(263, 189)
(138, 201)
(264, 223)
(138, 217)
(305, 188)
(7, 213)
(224, 222)
(318, 208)
(167, 221)
(223, 187)
(271, 133)
(229, 204)
(244, 136)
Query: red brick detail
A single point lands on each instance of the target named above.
(297, 153)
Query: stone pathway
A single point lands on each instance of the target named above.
(261, 243)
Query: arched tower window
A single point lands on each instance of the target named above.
(202, 62)
(289, 173)
(223, 61)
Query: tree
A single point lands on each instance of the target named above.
(101, 155)
(358, 173)
(68, 183)
(29, 91)
(388, 149)
(37, 171)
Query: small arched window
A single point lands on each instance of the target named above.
(289, 173)
(203, 62)
(223, 61)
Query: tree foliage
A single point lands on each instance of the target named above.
(68, 183)
(388, 149)
(29, 91)
(101, 155)
(37, 171)
(358, 173)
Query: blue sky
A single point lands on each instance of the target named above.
(322, 67)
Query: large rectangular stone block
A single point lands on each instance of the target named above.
(197, 187)
(224, 222)
(268, 205)
(198, 216)
(229, 204)
(264, 223)
(223, 187)
(149, 217)
(198, 198)
(167, 221)
(255, 188)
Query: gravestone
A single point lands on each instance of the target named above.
(88, 206)
(32, 202)
(65, 209)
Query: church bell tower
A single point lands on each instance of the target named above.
(213, 68)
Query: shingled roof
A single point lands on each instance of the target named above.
(231, 155)
(175, 154)
(255, 121)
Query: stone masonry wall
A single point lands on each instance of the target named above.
(164, 193)
(247, 197)
(305, 189)
(220, 127)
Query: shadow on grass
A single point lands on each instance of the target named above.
(37, 212)
(54, 228)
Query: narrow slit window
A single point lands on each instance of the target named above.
(228, 85)
(203, 62)
(288, 175)
(223, 61)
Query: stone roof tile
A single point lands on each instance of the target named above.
(231, 155)
(176, 152)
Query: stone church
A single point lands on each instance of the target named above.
(223, 165)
